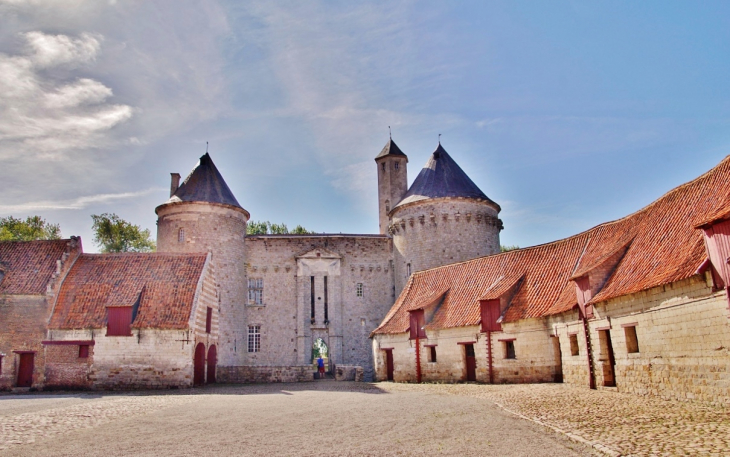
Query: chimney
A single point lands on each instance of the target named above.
(174, 183)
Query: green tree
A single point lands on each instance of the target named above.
(504, 248)
(32, 228)
(267, 228)
(114, 234)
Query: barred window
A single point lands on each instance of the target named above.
(359, 289)
(181, 235)
(254, 338)
(256, 291)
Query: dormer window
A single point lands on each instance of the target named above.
(119, 321)
(181, 235)
(418, 322)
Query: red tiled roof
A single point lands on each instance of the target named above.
(28, 266)
(164, 284)
(663, 247)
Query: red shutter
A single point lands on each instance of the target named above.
(490, 314)
(418, 321)
(83, 351)
(119, 321)
(208, 319)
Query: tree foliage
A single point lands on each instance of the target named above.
(504, 248)
(267, 228)
(114, 234)
(32, 228)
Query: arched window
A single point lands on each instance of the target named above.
(181, 235)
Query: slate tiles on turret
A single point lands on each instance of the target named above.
(205, 184)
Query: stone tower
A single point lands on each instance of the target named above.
(202, 215)
(443, 218)
(392, 181)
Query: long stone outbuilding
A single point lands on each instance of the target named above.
(639, 304)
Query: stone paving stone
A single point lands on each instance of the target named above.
(625, 424)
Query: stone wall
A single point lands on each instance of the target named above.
(287, 331)
(348, 373)
(392, 186)
(65, 369)
(22, 328)
(441, 231)
(264, 374)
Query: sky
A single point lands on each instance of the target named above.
(566, 113)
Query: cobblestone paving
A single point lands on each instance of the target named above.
(625, 424)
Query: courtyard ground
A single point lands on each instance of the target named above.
(342, 418)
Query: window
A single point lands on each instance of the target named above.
(632, 342)
(509, 349)
(208, 319)
(255, 291)
(254, 338)
(408, 270)
(432, 354)
(396, 165)
(119, 321)
(418, 322)
(358, 289)
(574, 344)
(181, 235)
(83, 351)
(383, 166)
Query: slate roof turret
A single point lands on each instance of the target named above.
(442, 177)
(205, 184)
(391, 149)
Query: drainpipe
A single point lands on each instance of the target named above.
(418, 360)
(589, 349)
(489, 357)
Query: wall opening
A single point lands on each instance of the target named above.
(632, 342)
(574, 348)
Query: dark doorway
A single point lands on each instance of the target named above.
(558, 354)
(471, 363)
(25, 369)
(607, 359)
(199, 366)
(212, 359)
(389, 363)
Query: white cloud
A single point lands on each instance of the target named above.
(51, 50)
(73, 204)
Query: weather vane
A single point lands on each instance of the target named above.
(206, 147)
(439, 138)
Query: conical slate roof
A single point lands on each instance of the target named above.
(391, 149)
(205, 184)
(442, 177)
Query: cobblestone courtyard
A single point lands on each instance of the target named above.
(330, 418)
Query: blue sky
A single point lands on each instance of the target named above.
(567, 114)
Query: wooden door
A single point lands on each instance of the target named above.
(212, 359)
(471, 363)
(25, 370)
(389, 363)
(199, 365)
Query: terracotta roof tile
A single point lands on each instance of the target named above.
(164, 284)
(663, 247)
(28, 266)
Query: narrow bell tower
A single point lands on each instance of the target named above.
(392, 181)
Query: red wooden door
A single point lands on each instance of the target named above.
(211, 364)
(199, 366)
(471, 363)
(25, 370)
(389, 363)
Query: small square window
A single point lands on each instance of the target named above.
(432, 354)
(574, 349)
(632, 342)
(254, 338)
(359, 289)
(509, 350)
(83, 351)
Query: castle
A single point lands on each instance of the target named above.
(254, 308)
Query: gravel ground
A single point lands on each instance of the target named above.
(309, 419)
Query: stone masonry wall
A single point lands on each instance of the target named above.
(245, 375)
(392, 186)
(287, 333)
(65, 369)
(22, 328)
(442, 231)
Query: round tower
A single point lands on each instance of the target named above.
(443, 218)
(202, 215)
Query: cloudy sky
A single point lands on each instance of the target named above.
(568, 114)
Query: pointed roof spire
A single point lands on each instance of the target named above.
(390, 149)
(205, 184)
(442, 177)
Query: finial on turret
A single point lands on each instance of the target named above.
(390, 133)
(439, 138)
(206, 147)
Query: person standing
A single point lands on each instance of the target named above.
(320, 367)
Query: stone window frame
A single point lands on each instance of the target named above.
(508, 348)
(256, 291)
(632, 339)
(254, 338)
(432, 356)
(181, 235)
(574, 346)
(359, 290)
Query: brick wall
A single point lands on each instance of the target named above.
(22, 328)
(65, 369)
(441, 231)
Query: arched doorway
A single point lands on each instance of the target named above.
(199, 366)
(320, 349)
(212, 359)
